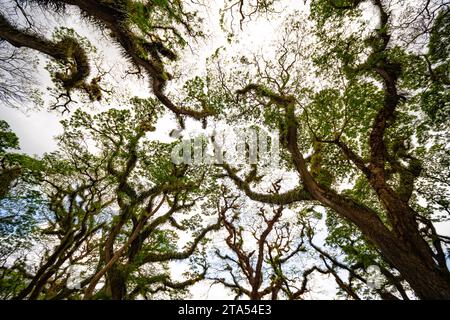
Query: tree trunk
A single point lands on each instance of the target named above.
(116, 283)
(403, 246)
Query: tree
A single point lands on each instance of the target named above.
(15, 167)
(158, 34)
(269, 268)
(358, 128)
(110, 189)
(369, 276)
(361, 109)
(20, 204)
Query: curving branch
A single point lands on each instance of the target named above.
(68, 51)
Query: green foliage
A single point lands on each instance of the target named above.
(200, 95)
(11, 282)
(435, 102)
(420, 73)
(439, 44)
(334, 89)
(70, 72)
(19, 216)
(8, 139)
(324, 10)
(14, 166)
(164, 21)
(346, 237)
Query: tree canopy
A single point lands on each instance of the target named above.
(355, 94)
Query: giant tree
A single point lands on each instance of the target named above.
(357, 126)
(148, 33)
(361, 106)
(115, 201)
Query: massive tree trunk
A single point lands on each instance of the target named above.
(399, 241)
(116, 283)
(403, 246)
